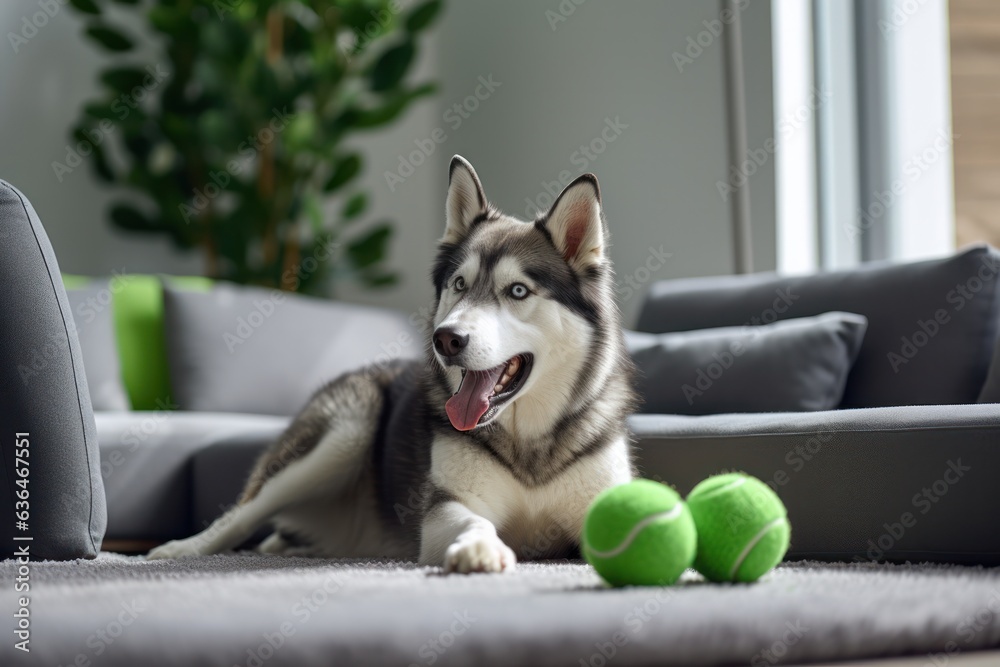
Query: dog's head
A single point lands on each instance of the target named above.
(519, 304)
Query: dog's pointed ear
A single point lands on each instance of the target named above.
(466, 200)
(576, 223)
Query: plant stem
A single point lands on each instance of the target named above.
(265, 177)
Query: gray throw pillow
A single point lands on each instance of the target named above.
(262, 351)
(790, 366)
(931, 325)
(92, 314)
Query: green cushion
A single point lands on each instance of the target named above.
(138, 319)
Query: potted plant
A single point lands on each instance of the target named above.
(233, 142)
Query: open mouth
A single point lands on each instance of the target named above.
(482, 393)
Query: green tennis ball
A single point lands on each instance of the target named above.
(639, 534)
(742, 525)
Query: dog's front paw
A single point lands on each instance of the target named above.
(479, 553)
(176, 549)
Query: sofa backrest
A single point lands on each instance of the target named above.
(260, 351)
(932, 325)
(120, 324)
(185, 342)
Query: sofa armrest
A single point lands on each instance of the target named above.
(51, 498)
(898, 483)
(150, 470)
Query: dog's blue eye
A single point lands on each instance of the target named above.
(459, 284)
(518, 291)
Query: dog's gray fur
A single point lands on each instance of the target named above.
(373, 466)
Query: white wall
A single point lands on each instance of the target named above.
(42, 87)
(557, 86)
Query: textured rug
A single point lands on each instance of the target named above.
(253, 610)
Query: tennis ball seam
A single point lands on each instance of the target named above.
(761, 534)
(725, 488)
(666, 516)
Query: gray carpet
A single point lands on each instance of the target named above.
(253, 610)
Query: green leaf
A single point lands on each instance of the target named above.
(302, 130)
(370, 118)
(137, 142)
(216, 127)
(355, 206)
(123, 79)
(168, 20)
(314, 212)
(97, 158)
(86, 6)
(356, 15)
(102, 169)
(423, 16)
(346, 169)
(90, 134)
(371, 248)
(110, 39)
(129, 218)
(391, 67)
(100, 111)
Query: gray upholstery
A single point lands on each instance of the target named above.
(147, 466)
(220, 470)
(43, 393)
(169, 475)
(792, 365)
(265, 352)
(92, 314)
(844, 474)
(939, 319)
(848, 477)
(991, 388)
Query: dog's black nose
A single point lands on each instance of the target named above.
(449, 342)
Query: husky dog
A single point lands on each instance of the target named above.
(490, 449)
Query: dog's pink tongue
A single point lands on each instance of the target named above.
(473, 398)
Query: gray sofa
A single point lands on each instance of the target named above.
(899, 467)
(901, 470)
